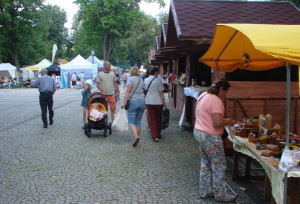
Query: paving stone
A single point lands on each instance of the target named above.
(61, 165)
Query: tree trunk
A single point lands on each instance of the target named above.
(14, 53)
(109, 43)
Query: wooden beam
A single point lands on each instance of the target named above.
(296, 116)
(242, 108)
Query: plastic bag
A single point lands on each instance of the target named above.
(120, 122)
(165, 118)
(289, 160)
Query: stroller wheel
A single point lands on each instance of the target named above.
(105, 132)
(109, 128)
(85, 128)
(88, 132)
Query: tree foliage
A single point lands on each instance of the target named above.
(103, 24)
(106, 21)
(141, 39)
(56, 18)
(296, 2)
(19, 20)
(28, 30)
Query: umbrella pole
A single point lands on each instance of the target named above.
(288, 99)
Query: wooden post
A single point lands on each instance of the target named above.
(188, 81)
(267, 191)
(235, 169)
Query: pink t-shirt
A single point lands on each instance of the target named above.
(208, 104)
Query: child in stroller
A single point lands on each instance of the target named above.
(97, 115)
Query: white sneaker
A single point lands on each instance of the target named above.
(227, 198)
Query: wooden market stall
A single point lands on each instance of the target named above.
(189, 32)
(257, 47)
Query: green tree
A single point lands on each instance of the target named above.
(141, 38)
(22, 29)
(55, 18)
(101, 24)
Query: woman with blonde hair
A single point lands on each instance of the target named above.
(135, 93)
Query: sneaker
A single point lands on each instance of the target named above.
(227, 198)
(210, 195)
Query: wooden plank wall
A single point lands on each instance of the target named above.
(248, 99)
(180, 99)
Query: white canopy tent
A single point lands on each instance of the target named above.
(77, 65)
(7, 67)
(95, 60)
(42, 64)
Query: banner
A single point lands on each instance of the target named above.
(54, 49)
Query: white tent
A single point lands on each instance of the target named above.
(27, 73)
(95, 60)
(42, 64)
(77, 65)
(7, 67)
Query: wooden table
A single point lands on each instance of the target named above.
(274, 178)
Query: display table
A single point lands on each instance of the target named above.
(269, 164)
(188, 91)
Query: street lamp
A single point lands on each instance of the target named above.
(93, 54)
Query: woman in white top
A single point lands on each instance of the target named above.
(155, 101)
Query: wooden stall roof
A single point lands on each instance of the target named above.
(196, 20)
(192, 23)
(158, 42)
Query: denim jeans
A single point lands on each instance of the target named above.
(213, 164)
(135, 112)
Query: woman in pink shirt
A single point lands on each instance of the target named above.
(208, 132)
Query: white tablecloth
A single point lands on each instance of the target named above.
(188, 91)
(270, 165)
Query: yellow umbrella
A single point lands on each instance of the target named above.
(256, 47)
(253, 47)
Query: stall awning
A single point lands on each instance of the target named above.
(253, 47)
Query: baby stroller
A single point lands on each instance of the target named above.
(99, 124)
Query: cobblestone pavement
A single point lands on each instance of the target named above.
(61, 165)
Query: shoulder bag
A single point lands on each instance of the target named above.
(128, 101)
(145, 92)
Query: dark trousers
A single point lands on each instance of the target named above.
(154, 119)
(46, 101)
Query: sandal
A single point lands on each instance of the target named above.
(136, 141)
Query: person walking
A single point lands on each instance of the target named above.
(155, 101)
(82, 79)
(208, 130)
(135, 93)
(46, 86)
(107, 85)
(126, 76)
(74, 78)
(85, 101)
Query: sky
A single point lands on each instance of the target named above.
(67, 5)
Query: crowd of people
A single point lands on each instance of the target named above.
(7, 82)
(146, 96)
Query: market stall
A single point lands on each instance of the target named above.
(257, 47)
(77, 65)
(42, 64)
(8, 70)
